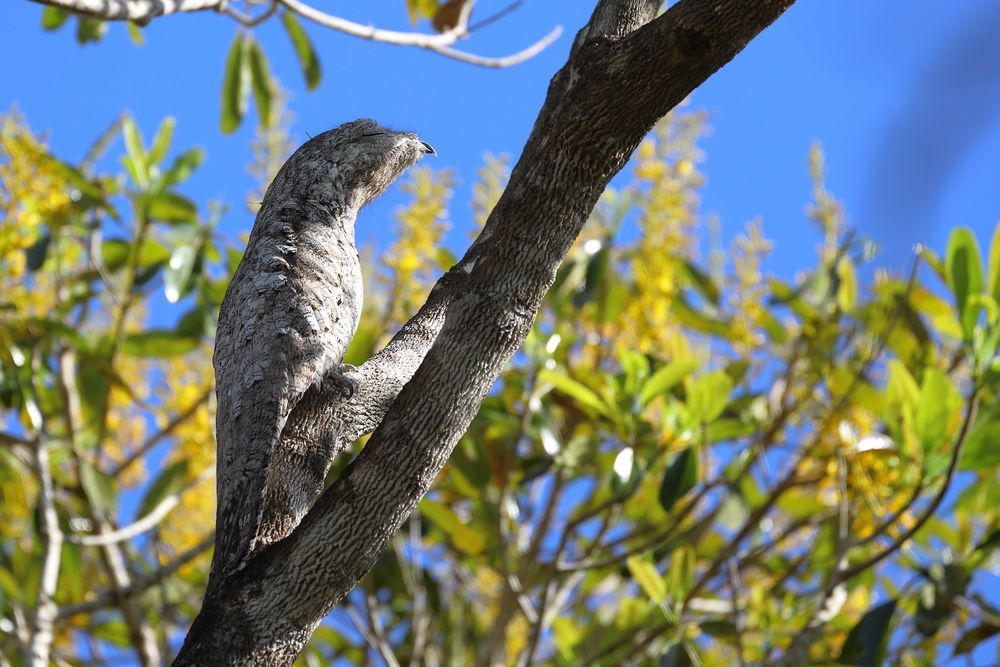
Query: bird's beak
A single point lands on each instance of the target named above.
(427, 148)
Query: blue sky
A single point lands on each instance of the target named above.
(905, 98)
(904, 95)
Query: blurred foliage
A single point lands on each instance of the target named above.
(688, 462)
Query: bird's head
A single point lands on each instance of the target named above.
(351, 164)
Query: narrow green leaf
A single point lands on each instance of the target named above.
(702, 282)
(866, 643)
(137, 160)
(166, 483)
(465, 538)
(89, 29)
(847, 289)
(708, 395)
(644, 574)
(161, 142)
(665, 378)
(974, 637)
(53, 18)
(36, 253)
(172, 207)
(263, 86)
(177, 276)
(964, 273)
(135, 33)
(993, 285)
(680, 477)
(932, 409)
(982, 449)
(161, 343)
(99, 488)
(574, 389)
(235, 85)
(115, 253)
(183, 166)
(303, 49)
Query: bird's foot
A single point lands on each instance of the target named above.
(340, 379)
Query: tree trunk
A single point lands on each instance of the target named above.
(626, 70)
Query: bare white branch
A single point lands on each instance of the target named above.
(143, 11)
(148, 522)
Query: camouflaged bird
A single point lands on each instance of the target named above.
(288, 316)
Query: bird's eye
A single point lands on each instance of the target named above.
(372, 134)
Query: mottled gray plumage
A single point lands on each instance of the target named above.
(287, 319)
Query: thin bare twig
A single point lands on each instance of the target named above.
(146, 523)
(158, 437)
(139, 585)
(956, 455)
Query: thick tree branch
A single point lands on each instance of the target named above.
(621, 78)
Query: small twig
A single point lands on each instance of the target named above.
(734, 588)
(42, 636)
(146, 523)
(384, 647)
(158, 437)
(495, 16)
(935, 503)
(246, 20)
(139, 585)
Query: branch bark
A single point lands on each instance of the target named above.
(626, 70)
(144, 11)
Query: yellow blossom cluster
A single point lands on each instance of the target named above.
(413, 260)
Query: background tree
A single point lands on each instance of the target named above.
(748, 470)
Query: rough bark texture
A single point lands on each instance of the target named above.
(626, 70)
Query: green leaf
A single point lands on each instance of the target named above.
(702, 282)
(177, 276)
(99, 487)
(183, 166)
(161, 142)
(115, 253)
(158, 343)
(937, 310)
(932, 409)
(708, 395)
(993, 284)
(135, 33)
(303, 49)
(89, 29)
(865, 645)
(462, 536)
(847, 289)
(235, 85)
(575, 390)
(964, 273)
(974, 637)
(35, 254)
(664, 378)
(53, 18)
(627, 471)
(680, 477)
(137, 160)
(172, 207)
(263, 85)
(644, 574)
(982, 449)
(166, 483)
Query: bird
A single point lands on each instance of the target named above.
(288, 316)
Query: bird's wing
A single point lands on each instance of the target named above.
(270, 349)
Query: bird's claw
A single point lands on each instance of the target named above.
(347, 385)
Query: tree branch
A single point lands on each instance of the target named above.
(615, 86)
(144, 11)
